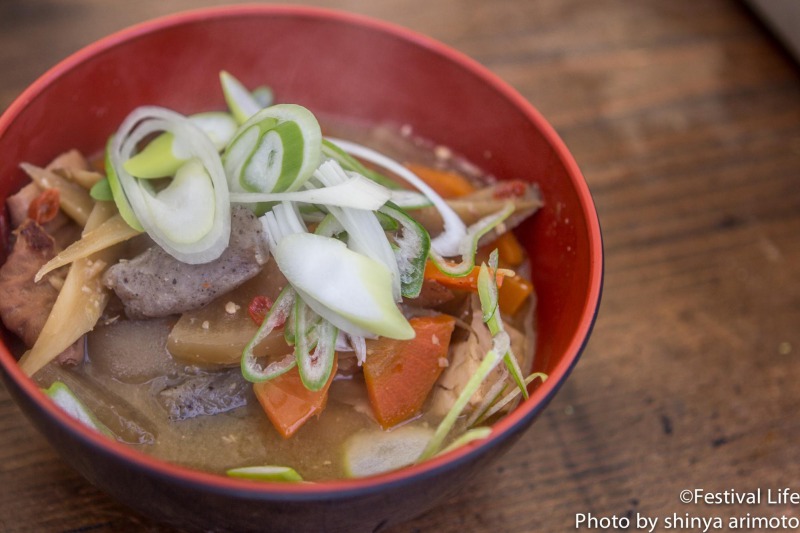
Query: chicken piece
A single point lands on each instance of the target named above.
(465, 357)
(155, 284)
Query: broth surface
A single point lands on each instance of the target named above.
(127, 367)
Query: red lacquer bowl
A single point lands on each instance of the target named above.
(343, 65)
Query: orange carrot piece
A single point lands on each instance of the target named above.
(400, 374)
(447, 184)
(463, 283)
(509, 249)
(513, 293)
(288, 403)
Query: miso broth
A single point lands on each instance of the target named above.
(128, 366)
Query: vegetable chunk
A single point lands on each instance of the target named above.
(288, 403)
(400, 374)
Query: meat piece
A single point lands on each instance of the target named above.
(465, 357)
(155, 284)
(205, 394)
(19, 202)
(432, 294)
(25, 304)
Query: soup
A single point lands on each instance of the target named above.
(195, 360)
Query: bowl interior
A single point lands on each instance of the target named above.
(344, 66)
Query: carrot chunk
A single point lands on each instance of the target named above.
(401, 373)
(446, 184)
(509, 249)
(513, 293)
(288, 403)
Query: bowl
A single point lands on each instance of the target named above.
(338, 64)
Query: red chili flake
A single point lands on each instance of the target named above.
(44, 207)
(259, 308)
(510, 189)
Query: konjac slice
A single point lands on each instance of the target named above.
(400, 373)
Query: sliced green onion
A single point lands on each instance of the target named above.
(276, 150)
(488, 293)
(329, 226)
(412, 250)
(183, 211)
(505, 400)
(252, 370)
(266, 473)
(315, 368)
(374, 452)
(348, 162)
(409, 199)
(165, 154)
(469, 244)
(349, 284)
(220, 127)
(282, 221)
(500, 345)
(448, 243)
(490, 397)
(356, 192)
(241, 102)
(263, 96)
(63, 397)
(194, 233)
(101, 191)
(364, 232)
(468, 436)
(117, 192)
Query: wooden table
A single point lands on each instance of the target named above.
(685, 118)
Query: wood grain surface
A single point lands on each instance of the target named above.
(685, 119)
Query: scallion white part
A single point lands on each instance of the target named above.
(266, 473)
(409, 199)
(166, 153)
(352, 285)
(364, 232)
(241, 102)
(63, 397)
(505, 400)
(276, 150)
(373, 452)
(447, 243)
(156, 213)
(355, 192)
